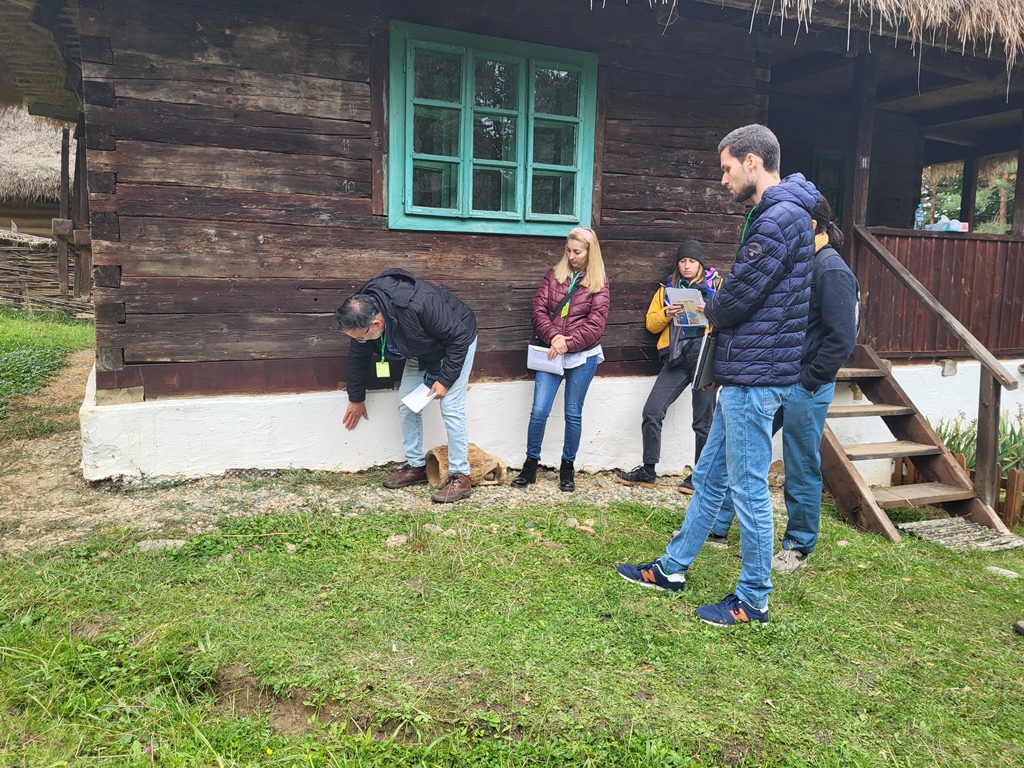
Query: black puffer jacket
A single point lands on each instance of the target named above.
(423, 320)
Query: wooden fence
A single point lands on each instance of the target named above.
(1009, 489)
(978, 278)
(29, 276)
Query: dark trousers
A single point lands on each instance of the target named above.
(669, 385)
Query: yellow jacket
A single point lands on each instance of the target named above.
(658, 320)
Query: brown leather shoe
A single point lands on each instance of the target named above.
(407, 476)
(455, 487)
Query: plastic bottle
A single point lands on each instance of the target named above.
(919, 217)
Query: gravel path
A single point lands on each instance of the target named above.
(45, 503)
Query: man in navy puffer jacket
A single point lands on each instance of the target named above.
(760, 313)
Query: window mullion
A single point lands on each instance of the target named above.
(466, 146)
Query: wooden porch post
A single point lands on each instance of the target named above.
(986, 458)
(970, 189)
(1018, 193)
(864, 81)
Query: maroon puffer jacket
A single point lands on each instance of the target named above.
(588, 313)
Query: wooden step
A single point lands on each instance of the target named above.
(848, 374)
(850, 411)
(918, 494)
(889, 450)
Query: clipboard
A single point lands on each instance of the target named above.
(704, 372)
(688, 299)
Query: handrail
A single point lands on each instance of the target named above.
(978, 350)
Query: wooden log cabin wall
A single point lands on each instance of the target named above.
(236, 157)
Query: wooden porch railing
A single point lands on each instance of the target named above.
(993, 374)
(976, 277)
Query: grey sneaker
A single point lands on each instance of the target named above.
(788, 560)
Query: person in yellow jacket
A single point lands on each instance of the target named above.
(677, 347)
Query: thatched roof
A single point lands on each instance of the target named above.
(39, 57)
(980, 27)
(29, 157)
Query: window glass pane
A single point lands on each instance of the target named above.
(437, 75)
(494, 138)
(557, 92)
(497, 84)
(554, 143)
(494, 189)
(435, 131)
(554, 193)
(435, 185)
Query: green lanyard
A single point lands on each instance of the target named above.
(568, 298)
(383, 344)
(743, 234)
(746, 223)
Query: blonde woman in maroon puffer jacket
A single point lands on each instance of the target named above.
(572, 329)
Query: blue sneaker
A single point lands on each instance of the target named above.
(731, 611)
(651, 575)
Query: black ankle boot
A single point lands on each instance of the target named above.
(567, 476)
(528, 474)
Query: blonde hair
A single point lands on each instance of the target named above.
(595, 278)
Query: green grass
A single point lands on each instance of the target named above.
(33, 349)
(511, 643)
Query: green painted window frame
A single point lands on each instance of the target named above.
(405, 40)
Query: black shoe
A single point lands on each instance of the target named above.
(567, 476)
(639, 476)
(687, 485)
(528, 474)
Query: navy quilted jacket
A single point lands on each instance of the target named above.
(761, 308)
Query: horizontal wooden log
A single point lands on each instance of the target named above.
(155, 163)
(234, 336)
(267, 377)
(300, 37)
(174, 247)
(190, 125)
(224, 87)
(349, 208)
(624, 157)
(498, 304)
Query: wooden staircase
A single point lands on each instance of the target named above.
(946, 484)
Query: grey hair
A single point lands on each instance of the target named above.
(757, 139)
(357, 312)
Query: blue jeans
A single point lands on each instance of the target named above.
(453, 411)
(735, 462)
(803, 423)
(545, 387)
(802, 420)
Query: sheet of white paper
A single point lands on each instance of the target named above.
(537, 360)
(417, 400)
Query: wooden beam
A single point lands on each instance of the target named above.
(969, 192)
(859, 175)
(65, 206)
(986, 462)
(1018, 194)
(960, 112)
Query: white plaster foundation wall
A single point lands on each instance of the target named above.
(193, 437)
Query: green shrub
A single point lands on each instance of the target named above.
(961, 436)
